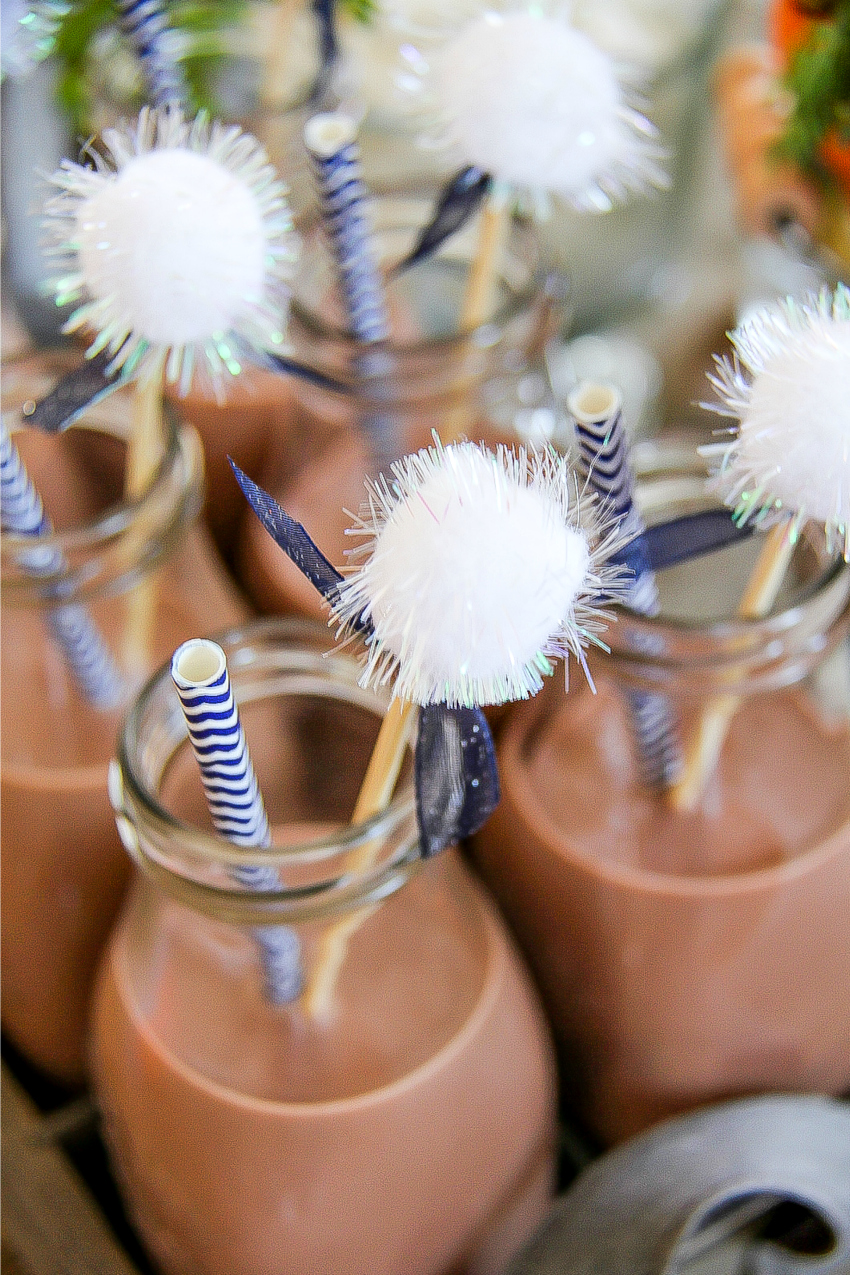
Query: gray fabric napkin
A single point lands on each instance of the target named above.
(692, 1197)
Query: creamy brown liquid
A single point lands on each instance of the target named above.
(64, 870)
(683, 958)
(258, 409)
(410, 1135)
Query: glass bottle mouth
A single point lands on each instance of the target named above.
(710, 648)
(424, 303)
(283, 664)
(123, 539)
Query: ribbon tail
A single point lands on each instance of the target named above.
(290, 536)
(457, 783)
(290, 367)
(74, 393)
(666, 543)
(459, 199)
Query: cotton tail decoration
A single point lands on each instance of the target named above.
(604, 450)
(176, 244)
(199, 672)
(481, 570)
(89, 658)
(785, 462)
(525, 98)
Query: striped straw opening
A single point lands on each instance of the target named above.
(198, 663)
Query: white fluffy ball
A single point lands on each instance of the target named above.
(535, 102)
(478, 569)
(791, 451)
(177, 242)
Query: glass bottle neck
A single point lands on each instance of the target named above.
(429, 356)
(310, 731)
(698, 645)
(103, 542)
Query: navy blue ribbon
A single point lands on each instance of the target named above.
(76, 391)
(690, 536)
(461, 196)
(456, 781)
(95, 378)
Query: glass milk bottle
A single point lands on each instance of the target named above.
(685, 956)
(147, 577)
(407, 1127)
(430, 375)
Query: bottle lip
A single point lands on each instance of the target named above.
(196, 866)
(519, 298)
(705, 655)
(96, 551)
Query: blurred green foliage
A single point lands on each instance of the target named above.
(818, 77)
(203, 23)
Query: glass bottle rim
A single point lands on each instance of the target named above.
(515, 303)
(170, 500)
(700, 654)
(179, 855)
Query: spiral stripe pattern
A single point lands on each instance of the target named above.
(604, 453)
(235, 803)
(342, 195)
(145, 25)
(89, 658)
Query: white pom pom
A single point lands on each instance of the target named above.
(479, 572)
(179, 240)
(791, 450)
(534, 102)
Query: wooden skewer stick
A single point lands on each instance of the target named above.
(397, 726)
(479, 299)
(274, 87)
(375, 795)
(144, 454)
(703, 749)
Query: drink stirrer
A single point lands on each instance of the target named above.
(480, 569)
(786, 462)
(524, 98)
(176, 245)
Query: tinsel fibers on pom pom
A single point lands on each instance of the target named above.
(177, 243)
(788, 384)
(483, 568)
(528, 98)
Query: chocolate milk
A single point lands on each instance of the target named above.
(414, 1137)
(63, 868)
(410, 1133)
(683, 958)
(258, 409)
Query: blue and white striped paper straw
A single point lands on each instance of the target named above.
(331, 140)
(604, 451)
(199, 672)
(89, 658)
(146, 26)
